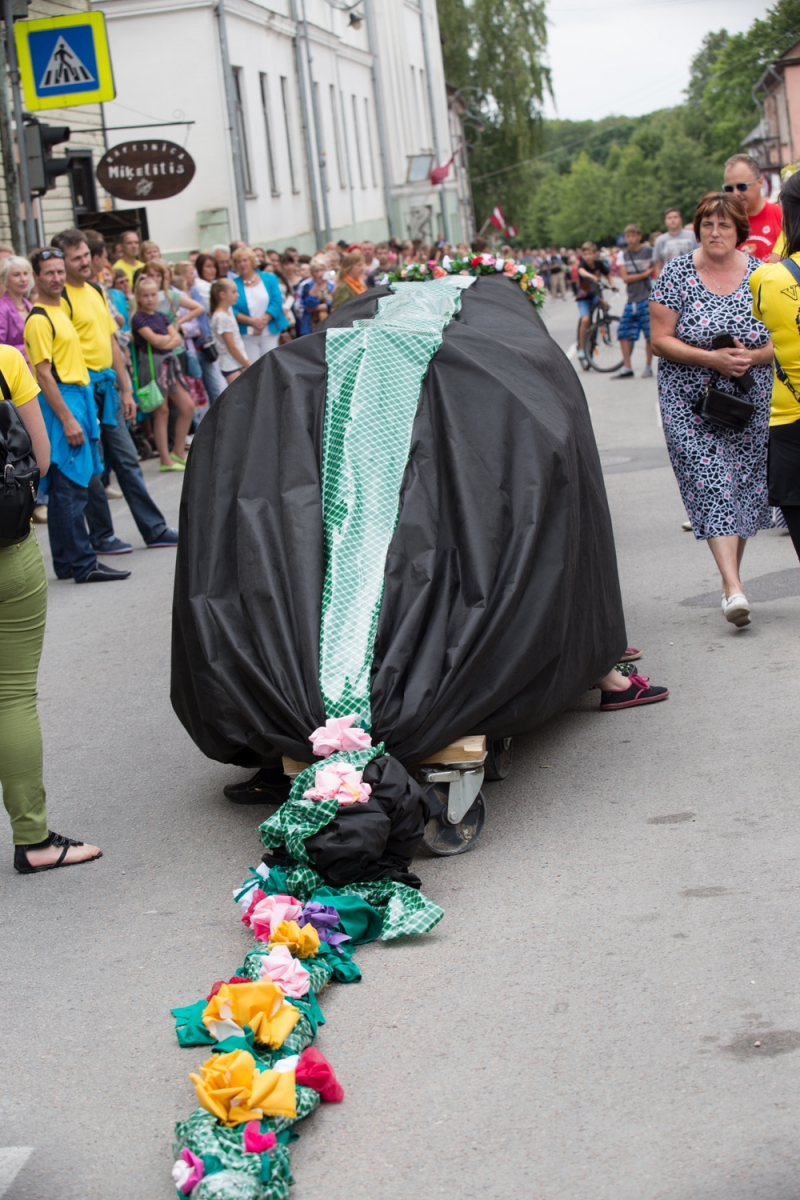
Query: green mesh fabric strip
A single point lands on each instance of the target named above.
(375, 372)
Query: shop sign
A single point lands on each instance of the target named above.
(147, 170)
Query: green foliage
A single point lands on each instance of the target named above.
(580, 179)
(495, 49)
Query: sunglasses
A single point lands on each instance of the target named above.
(738, 187)
(45, 254)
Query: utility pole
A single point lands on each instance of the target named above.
(15, 221)
(233, 124)
(434, 122)
(323, 169)
(380, 114)
(13, 70)
(301, 80)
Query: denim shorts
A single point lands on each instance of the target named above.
(587, 306)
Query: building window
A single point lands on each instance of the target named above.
(359, 155)
(321, 134)
(241, 130)
(337, 137)
(370, 147)
(273, 183)
(287, 123)
(416, 139)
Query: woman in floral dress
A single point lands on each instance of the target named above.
(722, 474)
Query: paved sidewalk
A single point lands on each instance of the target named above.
(609, 1009)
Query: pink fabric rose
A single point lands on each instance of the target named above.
(285, 971)
(256, 1142)
(339, 733)
(439, 272)
(269, 912)
(187, 1172)
(339, 780)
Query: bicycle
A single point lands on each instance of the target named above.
(601, 346)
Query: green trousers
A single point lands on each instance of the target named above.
(23, 608)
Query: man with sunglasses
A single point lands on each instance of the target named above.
(70, 418)
(743, 177)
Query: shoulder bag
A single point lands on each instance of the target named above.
(20, 474)
(150, 396)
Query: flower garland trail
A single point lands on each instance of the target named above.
(264, 1075)
(476, 264)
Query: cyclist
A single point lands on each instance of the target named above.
(591, 269)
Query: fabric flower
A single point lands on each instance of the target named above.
(256, 1142)
(341, 781)
(439, 272)
(314, 1071)
(260, 1005)
(285, 971)
(303, 943)
(324, 918)
(270, 911)
(339, 733)
(187, 1172)
(476, 261)
(232, 1090)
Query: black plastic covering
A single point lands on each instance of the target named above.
(502, 600)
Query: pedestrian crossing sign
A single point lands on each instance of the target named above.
(64, 61)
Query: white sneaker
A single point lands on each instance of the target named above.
(113, 493)
(736, 609)
(686, 526)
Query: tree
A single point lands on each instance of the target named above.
(496, 47)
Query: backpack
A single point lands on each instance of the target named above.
(20, 474)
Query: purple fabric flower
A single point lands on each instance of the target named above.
(324, 918)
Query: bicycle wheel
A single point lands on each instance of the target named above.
(602, 347)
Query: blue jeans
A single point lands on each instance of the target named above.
(119, 455)
(210, 378)
(69, 542)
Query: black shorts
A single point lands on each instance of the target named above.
(783, 464)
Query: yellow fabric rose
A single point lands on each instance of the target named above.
(260, 1005)
(232, 1090)
(303, 941)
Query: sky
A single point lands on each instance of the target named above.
(630, 57)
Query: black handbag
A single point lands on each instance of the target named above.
(724, 408)
(20, 474)
(208, 349)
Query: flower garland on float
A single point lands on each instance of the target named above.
(476, 264)
(264, 1075)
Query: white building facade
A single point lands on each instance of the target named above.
(309, 119)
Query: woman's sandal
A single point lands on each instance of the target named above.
(24, 867)
(631, 655)
(639, 692)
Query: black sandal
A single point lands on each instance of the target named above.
(269, 785)
(22, 865)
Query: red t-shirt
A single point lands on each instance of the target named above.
(765, 228)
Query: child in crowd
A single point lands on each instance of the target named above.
(156, 341)
(225, 328)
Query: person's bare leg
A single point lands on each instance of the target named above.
(51, 854)
(582, 331)
(626, 346)
(185, 407)
(728, 553)
(740, 552)
(160, 418)
(648, 353)
(614, 681)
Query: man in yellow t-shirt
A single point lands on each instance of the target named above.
(130, 262)
(776, 302)
(85, 303)
(70, 418)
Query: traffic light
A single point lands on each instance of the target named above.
(42, 167)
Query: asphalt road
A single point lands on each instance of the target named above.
(609, 1009)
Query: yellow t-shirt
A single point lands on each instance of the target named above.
(56, 340)
(130, 271)
(776, 302)
(94, 324)
(21, 384)
(780, 246)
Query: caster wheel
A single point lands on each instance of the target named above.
(443, 839)
(498, 759)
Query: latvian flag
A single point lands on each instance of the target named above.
(512, 231)
(497, 218)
